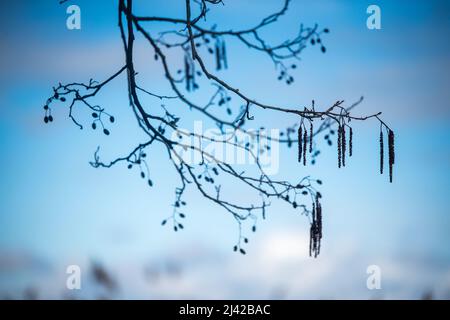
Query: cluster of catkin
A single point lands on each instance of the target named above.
(342, 144)
(391, 152)
(304, 142)
(221, 55)
(315, 232)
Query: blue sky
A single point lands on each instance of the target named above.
(56, 210)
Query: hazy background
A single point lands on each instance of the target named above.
(56, 210)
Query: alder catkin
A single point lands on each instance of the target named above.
(343, 142)
(350, 143)
(381, 151)
(391, 153)
(315, 233)
(319, 224)
(305, 140)
(339, 147)
(218, 58)
(310, 137)
(224, 56)
(312, 230)
(300, 144)
(187, 74)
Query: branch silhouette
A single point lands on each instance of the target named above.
(188, 36)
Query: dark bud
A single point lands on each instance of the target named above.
(326, 30)
(163, 222)
(150, 183)
(46, 107)
(63, 99)
(254, 228)
(50, 118)
(180, 226)
(111, 119)
(242, 251)
(130, 166)
(323, 49)
(94, 125)
(46, 119)
(245, 240)
(175, 228)
(304, 192)
(235, 248)
(106, 131)
(94, 115)
(142, 174)
(313, 42)
(182, 215)
(319, 181)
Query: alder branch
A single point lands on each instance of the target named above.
(211, 174)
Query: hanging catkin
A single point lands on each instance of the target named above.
(391, 152)
(315, 231)
(312, 230)
(218, 57)
(224, 56)
(305, 140)
(339, 147)
(350, 143)
(300, 144)
(187, 74)
(381, 151)
(319, 224)
(310, 137)
(344, 144)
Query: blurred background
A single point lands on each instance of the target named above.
(56, 210)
